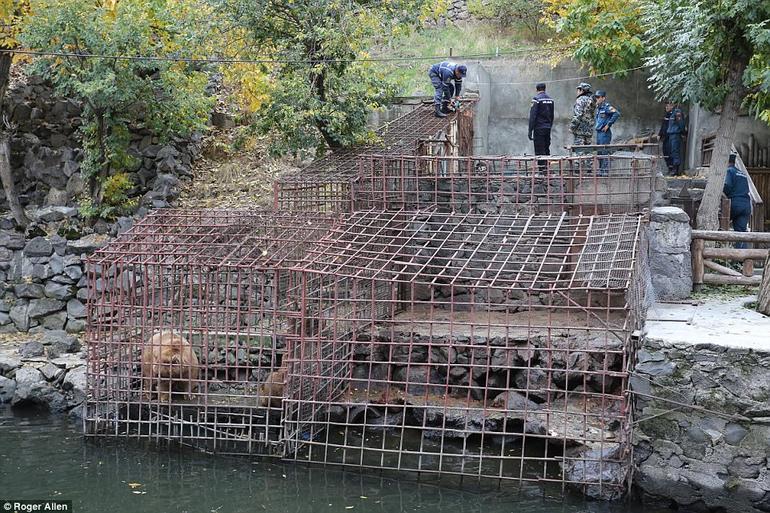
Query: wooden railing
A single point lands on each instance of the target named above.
(702, 257)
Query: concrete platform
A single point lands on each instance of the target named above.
(718, 321)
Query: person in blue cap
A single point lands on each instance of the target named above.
(675, 131)
(447, 79)
(606, 115)
(737, 189)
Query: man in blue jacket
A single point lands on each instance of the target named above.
(606, 115)
(447, 79)
(541, 121)
(737, 189)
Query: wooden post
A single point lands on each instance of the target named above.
(763, 297)
(748, 267)
(697, 263)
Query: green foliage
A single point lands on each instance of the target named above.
(322, 94)
(757, 75)
(164, 96)
(603, 34)
(115, 201)
(511, 13)
(691, 64)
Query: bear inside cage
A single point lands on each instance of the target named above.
(485, 345)
(187, 328)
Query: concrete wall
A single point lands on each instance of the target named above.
(511, 86)
(703, 123)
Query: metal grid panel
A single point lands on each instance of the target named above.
(187, 326)
(483, 345)
(506, 184)
(324, 185)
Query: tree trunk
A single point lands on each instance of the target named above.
(319, 83)
(6, 176)
(708, 213)
(763, 298)
(8, 185)
(96, 181)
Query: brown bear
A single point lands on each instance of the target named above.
(169, 363)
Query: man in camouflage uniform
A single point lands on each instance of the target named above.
(583, 116)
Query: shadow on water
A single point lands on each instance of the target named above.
(46, 457)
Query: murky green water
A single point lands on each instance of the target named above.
(43, 457)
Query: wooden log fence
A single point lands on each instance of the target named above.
(702, 257)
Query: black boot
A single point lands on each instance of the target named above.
(439, 112)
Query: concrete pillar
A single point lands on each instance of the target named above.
(669, 253)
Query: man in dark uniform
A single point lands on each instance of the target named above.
(606, 116)
(675, 132)
(737, 189)
(447, 79)
(540, 122)
(663, 135)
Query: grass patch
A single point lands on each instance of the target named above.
(722, 292)
(465, 41)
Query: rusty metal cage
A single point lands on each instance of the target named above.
(324, 185)
(506, 184)
(482, 345)
(187, 326)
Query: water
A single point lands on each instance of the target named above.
(45, 457)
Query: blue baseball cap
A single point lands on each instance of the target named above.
(462, 69)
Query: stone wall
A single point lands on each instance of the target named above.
(46, 151)
(43, 279)
(711, 454)
(670, 261)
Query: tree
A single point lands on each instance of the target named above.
(605, 35)
(508, 13)
(121, 90)
(718, 59)
(322, 91)
(11, 14)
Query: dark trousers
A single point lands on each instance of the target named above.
(666, 148)
(675, 147)
(604, 160)
(443, 93)
(740, 214)
(542, 140)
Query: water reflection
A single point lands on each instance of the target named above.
(46, 457)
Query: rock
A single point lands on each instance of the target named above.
(75, 383)
(51, 372)
(123, 224)
(167, 185)
(5, 318)
(75, 325)
(415, 379)
(7, 389)
(656, 369)
(42, 307)
(54, 214)
(664, 214)
(31, 349)
(55, 321)
(74, 272)
(167, 151)
(75, 185)
(76, 309)
(11, 240)
(101, 227)
(29, 290)
(19, 314)
(747, 468)
(734, 433)
(86, 245)
(514, 401)
(58, 291)
(62, 341)
(595, 466)
(38, 247)
(26, 379)
(8, 364)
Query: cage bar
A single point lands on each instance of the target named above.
(324, 185)
(506, 184)
(482, 345)
(187, 328)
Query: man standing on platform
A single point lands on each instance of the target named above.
(606, 115)
(540, 122)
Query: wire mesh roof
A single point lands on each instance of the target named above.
(216, 237)
(399, 136)
(533, 252)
